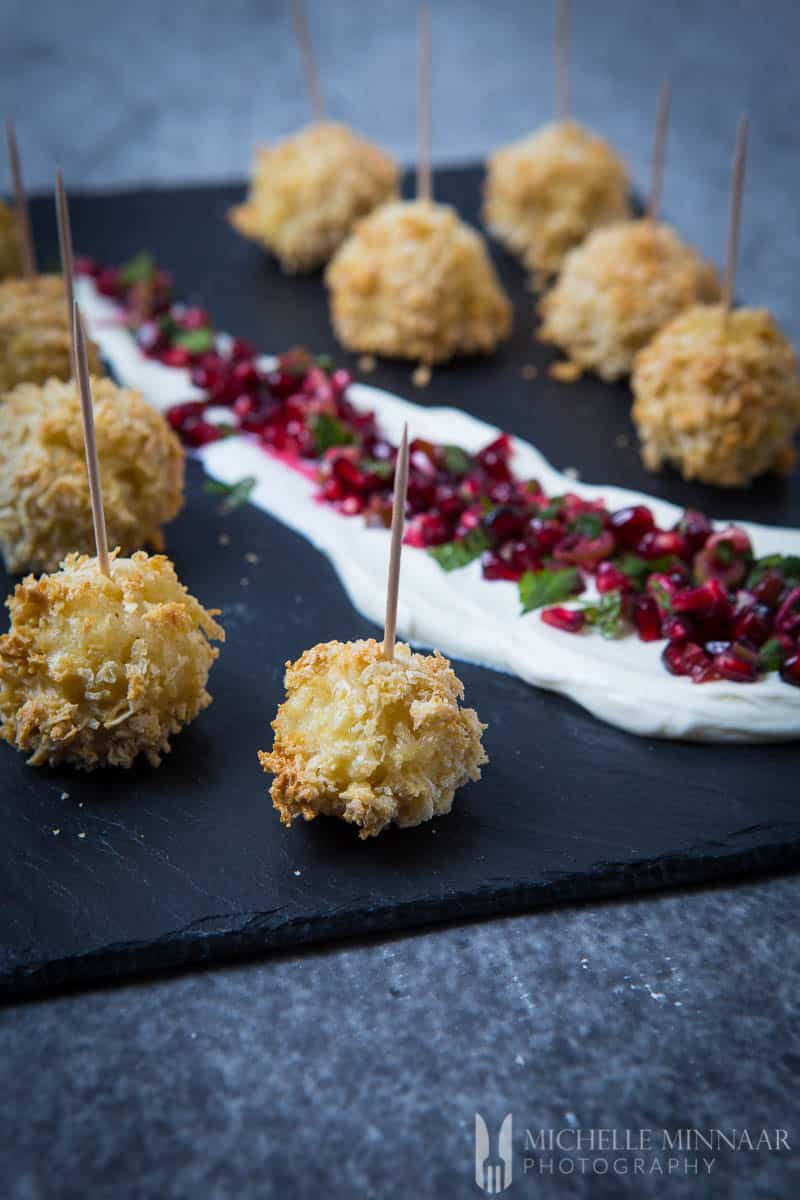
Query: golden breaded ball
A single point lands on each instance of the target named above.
(718, 399)
(307, 192)
(545, 193)
(413, 281)
(95, 671)
(618, 289)
(44, 491)
(35, 334)
(9, 243)
(369, 740)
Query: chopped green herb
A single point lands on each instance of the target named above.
(771, 655)
(456, 460)
(236, 494)
(194, 340)
(787, 564)
(382, 467)
(330, 431)
(140, 269)
(539, 588)
(723, 552)
(453, 555)
(588, 524)
(325, 363)
(606, 615)
(637, 569)
(554, 508)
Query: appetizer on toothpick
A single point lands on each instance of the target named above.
(545, 193)
(108, 657)
(45, 510)
(624, 283)
(717, 392)
(370, 733)
(308, 190)
(413, 281)
(34, 315)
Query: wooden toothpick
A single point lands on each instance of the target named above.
(20, 204)
(424, 182)
(659, 147)
(736, 213)
(398, 524)
(67, 262)
(90, 442)
(310, 68)
(562, 60)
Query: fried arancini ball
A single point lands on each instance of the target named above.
(719, 399)
(413, 281)
(34, 332)
(9, 243)
(371, 740)
(545, 193)
(44, 491)
(95, 671)
(308, 191)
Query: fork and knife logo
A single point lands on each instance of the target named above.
(493, 1174)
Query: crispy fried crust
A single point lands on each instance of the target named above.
(44, 492)
(307, 192)
(9, 243)
(34, 332)
(719, 400)
(618, 289)
(371, 741)
(413, 281)
(96, 671)
(545, 193)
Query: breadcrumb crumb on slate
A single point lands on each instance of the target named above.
(44, 492)
(413, 281)
(308, 190)
(545, 193)
(718, 399)
(34, 332)
(9, 243)
(618, 289)
(96, 671)
(371, 741)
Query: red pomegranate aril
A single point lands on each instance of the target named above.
(787, 618)
(195, 318)
(578, 550)
(769, 588)
(543, 534)
(341, 380)
(523, 558)
(672, 657)
(351, 505)
(175, 356)
(647, 619)
(569, 620)
(678, 629)
(421, 494)
(495, 567)
(241, 350)
(107, 281)
(245, 376)
(200, 433)
(427, 529)
(282, 383)
(753, 623)
(661, 543)
(85, 266)
(180, 414)
(790, 671)
(505, 523)
(732, 665)
(609, 578)
(696, 528)
(697, 599)
(631, 524)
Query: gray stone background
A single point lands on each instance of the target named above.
(356, 1070)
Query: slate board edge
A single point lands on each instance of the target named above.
(256, 935)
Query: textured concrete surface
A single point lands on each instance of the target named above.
(357, 1070)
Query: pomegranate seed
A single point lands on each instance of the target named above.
(672, 657)
(790, 671)
(351, 505)
(107, 281)
(427, 529)
(696, 528)
(175, 356)
(570, 620)
(340, 381)
(282, 383)
(200, 433)
(85, 266)
(647, 619)
(769, 588)
(787, 618)
(734, 666)
(150, 337)
(501, 491)
(678, 629)
(523, 558)
(241, 350)
(700, 598)
(584, 551)
(631, 524)
(661, 543)
(753, 624)
(495, 567)
(609, 578)
(543, 534)
(195, 318)
(180, 414)
(245, 376)
(507, 522)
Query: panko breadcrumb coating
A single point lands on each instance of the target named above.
(308, 191)
(9, 243)
(45, 512)
(545, 193)
(370, 740)
(618, 289)
(413, 281)
(34, 332)
(720, 400)
(95, 671)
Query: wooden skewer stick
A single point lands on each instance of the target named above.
(424, 182)
(310, 68)
(398, 524)
(659, 147)
(562, 60)
(21, 204)
(90, 442)
(736, 214)
(67, 260)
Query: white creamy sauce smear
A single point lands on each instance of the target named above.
(621, 681)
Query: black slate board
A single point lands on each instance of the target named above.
(188, 864)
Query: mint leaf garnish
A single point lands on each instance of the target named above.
(787, 564)
(771, 655)
(606, 615)
(456, 460)
(325, 363)
(637, 569)
(553, 509)
(329, 431)
(236, 494)
(588, 524)
(540, 588)
(140, 269)
(194, 340)
(453, 555)
(382, 467)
